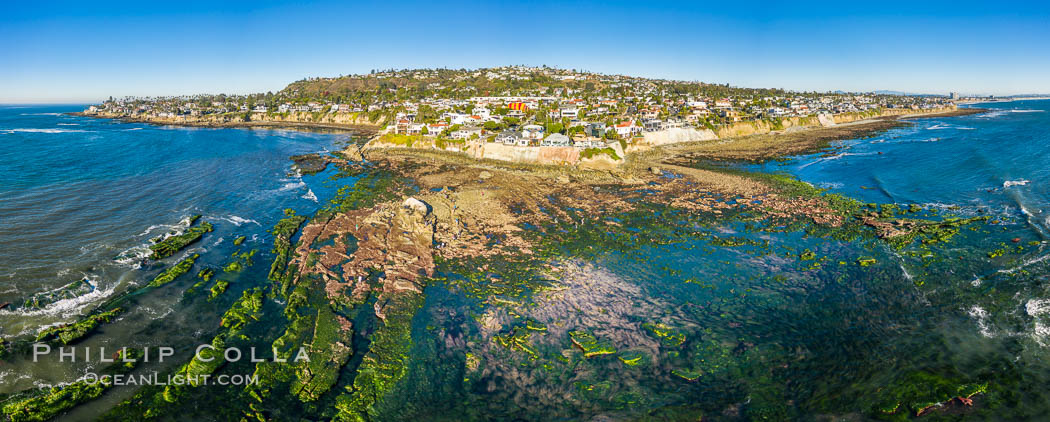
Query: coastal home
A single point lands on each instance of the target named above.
(556, 140)
(652, 125)
(435, 129)
(595, 130)
(467, 133)
(627, 129)
(569, 112)
(402, 126)
(259, 109)
(414, 129)
(589, 143)
(532, 132)
(723, 103)
(508, 137)
(284, 108)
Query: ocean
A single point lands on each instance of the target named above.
(82, 197)
(778, 322)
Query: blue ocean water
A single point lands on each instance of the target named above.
(81, 197)
(998, 161)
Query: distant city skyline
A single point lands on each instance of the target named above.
(86, 52)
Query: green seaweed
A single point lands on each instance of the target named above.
(218, 289)
(69, 333)
(172, 273)
(52, 402)
(173, 244)
(590, 345)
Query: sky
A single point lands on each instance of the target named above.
(87, 51)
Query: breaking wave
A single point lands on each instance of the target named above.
(66, 307)
(237, 220)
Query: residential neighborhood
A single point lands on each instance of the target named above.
(519, 105)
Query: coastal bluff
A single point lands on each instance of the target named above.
(615, 153)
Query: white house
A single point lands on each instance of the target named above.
(532, 132)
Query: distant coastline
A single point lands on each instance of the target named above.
(363, 128)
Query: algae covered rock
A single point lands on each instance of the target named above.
(49, 403)
(172, 273)
(920, 392)
(69, 333)
(667, 335)
(69, 291)
(169, 246)
(590, 345)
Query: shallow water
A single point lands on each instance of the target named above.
(82, 197)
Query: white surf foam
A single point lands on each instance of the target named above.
(238, 221)
(981, 315)
(310, 195)
(45, 130)
(1009, 183)
(66, 307)
(292, 185)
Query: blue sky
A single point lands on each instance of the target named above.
(86, 51)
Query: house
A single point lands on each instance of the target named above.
(723, 103)
(652, 125)
(259, 109)
(402, 126)
(570, 112)
(626, 129)
(730, 115)
(532, 132)
(467, 133)
(435, 129)
(414, 129)
(508, 137)
(556, 140)
(595, 130)
(284, 108)
(589, 143)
